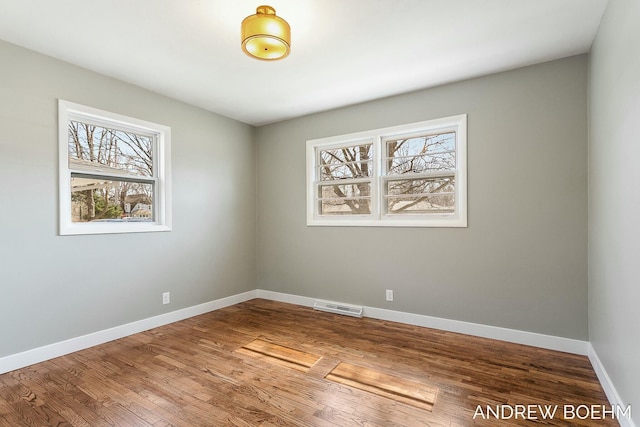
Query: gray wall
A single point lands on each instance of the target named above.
(54, 288)
(614, 198)
(521, 263)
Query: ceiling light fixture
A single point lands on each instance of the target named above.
(265, 35)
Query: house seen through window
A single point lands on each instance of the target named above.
(100, 158)
(114, 173)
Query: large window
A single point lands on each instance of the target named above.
(114, 172)
(410, 175)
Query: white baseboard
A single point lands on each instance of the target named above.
(494, 332)
(288, 298)
(40, 354)
(511, 335)
(607, 385)
(29, 357)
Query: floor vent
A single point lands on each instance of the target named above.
(339, 308)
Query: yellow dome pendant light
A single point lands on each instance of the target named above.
(265, 35)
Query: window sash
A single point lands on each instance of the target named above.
(81, 168)
(418, 195)
(79, 173)
(320, 199)
(346, 181)
(339, 163)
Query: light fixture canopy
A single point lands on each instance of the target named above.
(266, 36)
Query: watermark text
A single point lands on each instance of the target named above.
(548, 412)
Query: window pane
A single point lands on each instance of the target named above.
(347, 162)
(350, 199)
(422, 154)
(345, 207)
(342, 171)
(429, 195)
(422, 204)
(104, 199)
(348, 190)
(109, 150)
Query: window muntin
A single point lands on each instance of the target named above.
(345, 173)
(411, 175)
(420, 173)
(114, 172)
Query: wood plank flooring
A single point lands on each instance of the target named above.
(395, 388)
(274, 353)
(191, 373)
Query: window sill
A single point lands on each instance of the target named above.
(111, 228)
(441, 222)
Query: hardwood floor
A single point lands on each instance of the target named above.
(193, 373)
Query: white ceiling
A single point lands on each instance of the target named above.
(343, 51)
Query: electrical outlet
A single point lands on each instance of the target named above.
(166, 297)
(389, 294)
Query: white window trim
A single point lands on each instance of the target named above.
(378, 218)
(161, 162)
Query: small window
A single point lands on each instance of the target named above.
(410, 175)
(114, 172)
